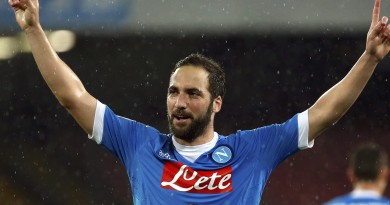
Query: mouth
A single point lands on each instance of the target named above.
(181, 119)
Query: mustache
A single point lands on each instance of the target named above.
(181, 113)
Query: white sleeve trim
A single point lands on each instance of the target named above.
(303, 129)
(98, 123)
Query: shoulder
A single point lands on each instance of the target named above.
(340, 200)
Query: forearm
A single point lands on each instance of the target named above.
(62, 81)
(334, 103)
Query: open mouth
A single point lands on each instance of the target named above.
(181, 118)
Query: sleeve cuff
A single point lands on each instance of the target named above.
(98, 123)
(303, 129)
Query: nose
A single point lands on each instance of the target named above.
(181, 101)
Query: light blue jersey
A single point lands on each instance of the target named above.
(360, 197)
(234, 171)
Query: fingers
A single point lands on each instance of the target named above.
(31, 3)
(13, 3)
(379, 27)
(23, 4)
(382, 31)
(384, 21)
(17, 4)
(382, 25)
(375, 14)
(385, 33)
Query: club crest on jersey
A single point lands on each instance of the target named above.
(181, 177)
(222, 154)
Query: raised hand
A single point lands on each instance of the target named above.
(26, 12)
(378, 37)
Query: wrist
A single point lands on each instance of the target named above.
(371, 57)
(33, 29)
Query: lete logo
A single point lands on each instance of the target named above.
(180, 177)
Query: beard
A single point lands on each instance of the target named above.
(196, 128)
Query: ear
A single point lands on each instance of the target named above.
(217, 104)
(351, 175)
(384, 173)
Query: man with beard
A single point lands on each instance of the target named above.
(194, 164)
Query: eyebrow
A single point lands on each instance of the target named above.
(187, 90)
(193, 90)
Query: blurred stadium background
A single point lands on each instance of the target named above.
(280, 56)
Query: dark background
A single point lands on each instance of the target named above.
(46, 158)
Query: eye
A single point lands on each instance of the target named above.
(194, 93)
(172, 91)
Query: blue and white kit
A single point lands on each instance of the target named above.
(360, 197)
(230, 169)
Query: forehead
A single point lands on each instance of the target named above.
(190, 76)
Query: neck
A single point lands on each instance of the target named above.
(206, 137)
(376, 186)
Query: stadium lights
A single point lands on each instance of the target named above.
(8, 47)
(61, 41)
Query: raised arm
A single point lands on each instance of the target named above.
(62, 81)
(335, 102)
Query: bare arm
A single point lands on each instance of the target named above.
(62, 81)
(334, 103)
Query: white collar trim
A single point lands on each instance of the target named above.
(365, 193)
(191, 153)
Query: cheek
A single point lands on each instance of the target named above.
(170, 104)
(199, 108)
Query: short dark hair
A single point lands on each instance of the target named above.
(216, 73)
(367, 161)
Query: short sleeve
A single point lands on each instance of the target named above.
(272, 144)
(120, 135)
